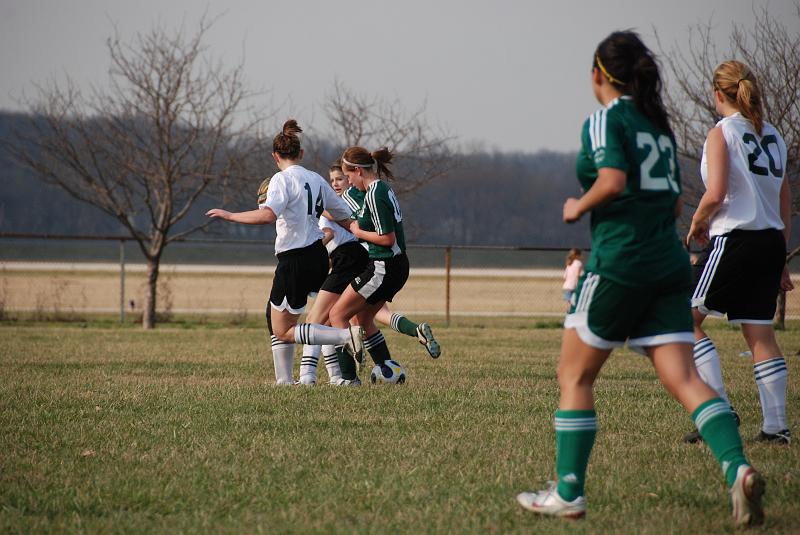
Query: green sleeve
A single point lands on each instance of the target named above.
(382, 212)
(607, 140)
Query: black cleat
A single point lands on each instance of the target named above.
(694, 437)
(781, 437)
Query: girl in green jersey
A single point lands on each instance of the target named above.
(636, 285)
(379, 222)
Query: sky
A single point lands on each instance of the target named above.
(504, 75)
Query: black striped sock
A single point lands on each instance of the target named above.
(378, 350)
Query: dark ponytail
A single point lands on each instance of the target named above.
(287, 144)
(631, 67)
(382, 158)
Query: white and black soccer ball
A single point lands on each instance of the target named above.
(390, 373)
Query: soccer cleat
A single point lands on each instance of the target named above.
(746, 494)
(355, 346)
(425, 337)
(781, 437)
(349, 382)
(306, 381)
(548, 502)
(694, 437)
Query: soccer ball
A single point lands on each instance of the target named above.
(389, 373)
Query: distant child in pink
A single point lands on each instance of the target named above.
(572, 273)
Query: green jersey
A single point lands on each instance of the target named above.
(354, 198)
(380, 212)
(634, 241)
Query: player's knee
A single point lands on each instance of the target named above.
(571, 377)
(680, 383)
(285, 336)
(337, 316)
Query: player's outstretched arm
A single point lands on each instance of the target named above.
(262, 216)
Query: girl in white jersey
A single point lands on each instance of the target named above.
(347, 258)
(295, 200)
(745, 216)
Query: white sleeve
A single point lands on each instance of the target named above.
(335, 206)
(324, 222)
(277, 196)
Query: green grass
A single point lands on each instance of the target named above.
(106, 429)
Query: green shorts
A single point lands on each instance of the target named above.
(606, 313)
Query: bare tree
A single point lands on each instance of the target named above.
(771, 47)
(423, 151)
(171, 129)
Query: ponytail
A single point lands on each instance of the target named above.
(355, 157)
(382, 157)
(631, 67)
(287, 143)
(739, 85)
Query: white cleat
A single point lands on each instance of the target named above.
(548, 502)
(746, 494)
(355, 346)
(349, 382)
(425, 337)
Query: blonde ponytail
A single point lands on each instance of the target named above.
(739, 85)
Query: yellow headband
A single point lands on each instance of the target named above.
(606, 73)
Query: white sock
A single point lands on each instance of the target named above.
(331, 363)
(771, 378)
(315, 334)
(283, 358)
(308, 365)
(706, 360)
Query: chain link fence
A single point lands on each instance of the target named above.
(53, 276)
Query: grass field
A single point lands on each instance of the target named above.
(113, 429)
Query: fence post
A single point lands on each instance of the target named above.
(448, 256)
(122, 281)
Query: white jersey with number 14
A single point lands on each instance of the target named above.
(298, 197)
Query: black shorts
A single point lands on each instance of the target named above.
(382, 279)
(300, 272)
(348, 261)
(739, 275)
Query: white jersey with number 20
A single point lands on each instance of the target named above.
(757, 165)
(298, 197)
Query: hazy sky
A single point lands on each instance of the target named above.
(513, 75)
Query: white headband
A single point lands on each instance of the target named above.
(364, 165)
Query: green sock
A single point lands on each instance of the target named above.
(575, 432)
(378, 350)
(717, 426)
(401, 324)
(346, 363)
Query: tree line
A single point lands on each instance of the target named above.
(177, 132)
